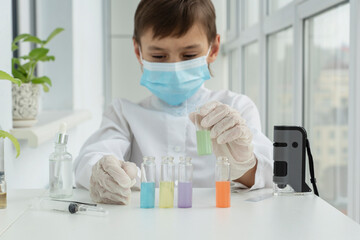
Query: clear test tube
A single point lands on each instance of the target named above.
(185, 182)
(167, 178)
(148, 179)
(203, 139)
(222, 178)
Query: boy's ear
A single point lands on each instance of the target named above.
(137, 50)
(215, 48)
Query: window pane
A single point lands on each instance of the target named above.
(234, 77)
(280, 79)
(327, 95)
(231, 17)
(275, 5)
(251, 74)
(250, 13)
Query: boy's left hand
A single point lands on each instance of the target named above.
(229, 134)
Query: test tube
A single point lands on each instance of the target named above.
(202, 137)
(148, 178)
(185, 183)
(167, 182)
(222, 178)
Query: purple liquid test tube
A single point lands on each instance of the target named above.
(185, 183)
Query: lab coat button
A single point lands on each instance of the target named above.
(177, 149)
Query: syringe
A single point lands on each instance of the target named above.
(68, 206)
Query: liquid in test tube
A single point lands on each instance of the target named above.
(185, 182)
(148, 178)
(222, 177)
(167, 182)
(203, 139)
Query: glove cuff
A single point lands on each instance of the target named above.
(238, 169)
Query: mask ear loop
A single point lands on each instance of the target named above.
(208, 52)
(141, 58)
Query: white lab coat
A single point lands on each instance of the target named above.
(130, 131)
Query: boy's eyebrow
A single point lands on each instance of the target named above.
(192, 46)
(155, 48)
(187, 47)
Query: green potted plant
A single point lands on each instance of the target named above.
(26, 96)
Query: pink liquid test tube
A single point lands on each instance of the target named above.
(185, 183)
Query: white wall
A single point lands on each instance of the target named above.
(88, 66)
(125, 69)
(51, 15)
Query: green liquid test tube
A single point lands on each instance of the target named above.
(203, 139)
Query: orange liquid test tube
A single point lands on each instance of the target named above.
(222, 182)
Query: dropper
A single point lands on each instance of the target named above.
(62, 137)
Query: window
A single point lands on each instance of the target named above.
(250, 13)
(234, 78)
(302, 51)
(280, 80)
(275, 5)
(231, 18)
(327, 90)
(250, 72)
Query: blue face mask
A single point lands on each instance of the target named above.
(175, 82)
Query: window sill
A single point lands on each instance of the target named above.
(48, 125)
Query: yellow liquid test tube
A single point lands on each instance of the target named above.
(166, 195)
(167, 179)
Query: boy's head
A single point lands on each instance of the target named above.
(175, 30)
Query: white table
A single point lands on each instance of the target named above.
(296, 217)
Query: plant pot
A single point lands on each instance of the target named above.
(25, 104)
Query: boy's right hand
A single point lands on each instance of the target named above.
(111, 180)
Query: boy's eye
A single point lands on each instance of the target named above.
(158, 56)
(190, 55)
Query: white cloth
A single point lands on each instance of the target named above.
(130, 131)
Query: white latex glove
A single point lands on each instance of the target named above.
(111, 180)
(229, 134)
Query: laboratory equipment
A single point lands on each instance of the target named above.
(60, 167)
(203, 139)
(290, 145)
(148, 179)
(185, 189)
(167, 178)
(3, 201)
(222, 185)
(68, 206)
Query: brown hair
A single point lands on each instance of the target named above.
(174, 18)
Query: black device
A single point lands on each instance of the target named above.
(290, 147)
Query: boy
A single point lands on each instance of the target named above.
(174, 42)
